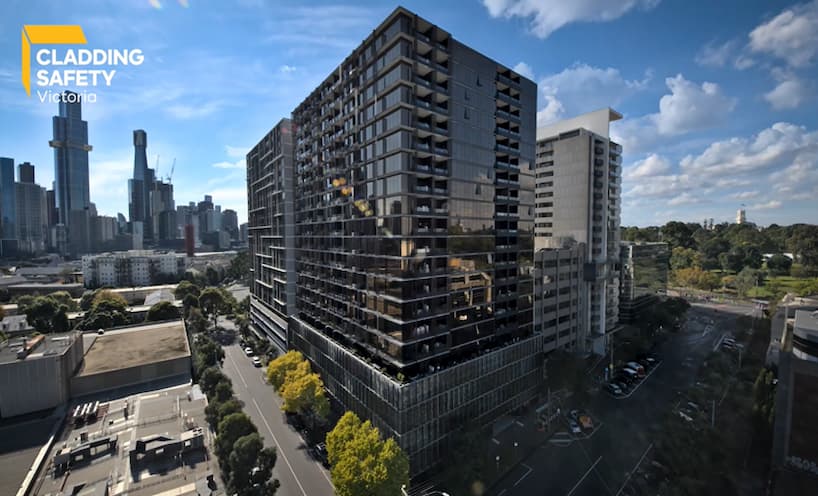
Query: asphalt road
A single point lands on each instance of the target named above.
(600, 465)
(296, 470)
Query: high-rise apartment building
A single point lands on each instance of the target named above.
(163, 212)
(71, 181)
(414, 199)
(140, 187)
(132, 268)
(230, 223)
(578, 171)
(32, 214)
(560, 307)
(8, 208)
(270, 186)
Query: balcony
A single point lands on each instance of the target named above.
(507, 115)
(423, 37)
(507, 97)
(507, 132)
(505, 148)
(500, 164)
(507, 80)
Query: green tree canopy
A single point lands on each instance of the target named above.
(164, 310)
(362, 463)
(185, 288)
(211, 377)
(678, 234)
(779, 265)
(41, 312)
(64, 298)
(242, 462)
(215, 411)
(230, 429)
(212, 302)
(196, 321)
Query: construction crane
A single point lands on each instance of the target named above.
(172, 167)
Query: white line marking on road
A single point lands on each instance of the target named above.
(584, 476)
(501, 493)
(635, 468)
(519, 423)
(237, 371)
(495, 441)
(280, 451)
(524, 475)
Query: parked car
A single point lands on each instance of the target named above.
(640, 370)
(586, 422)
(685, 416)
(624, 386)
(574, 415)
(248, 351)
(629, 372)
(575, 428)
(256, 362)
(614, 389)
(624, 378)
(320, 451)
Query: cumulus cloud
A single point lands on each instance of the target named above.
(652, 165)
(583, 88)
(524, 69)
(547, 16)
(767, 205)
(236, 151)
(788, 94)
(685, 198)
(239, 164)
(744, 195)
(716, 55)
(688, 107)
(791, 36)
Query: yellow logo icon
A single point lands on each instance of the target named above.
(46, 35)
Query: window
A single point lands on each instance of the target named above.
(466, 113)
(466, 94)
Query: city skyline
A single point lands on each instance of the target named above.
(718, 120)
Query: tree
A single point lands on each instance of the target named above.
(196, 321)
(185, 288)
(230, 429)
(678, 234)
(64, 298)
(223, 390)
(215, 411)
(239, 269)
(303, 393)
(41, 313)
(242, 462)
(746, 280)
(207, 353)
(683, 258)
(86, 300)
(263, 482)
(362, 463)
(779, 265)
(808, 288)
(164, 310)
(731, 261)
(109, 300)
(211, 300)
(212, 275)
(277, 369)
(710, 251)
(210, 378)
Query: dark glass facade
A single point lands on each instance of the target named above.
(414, 199)
(644, 276)
(271, 232)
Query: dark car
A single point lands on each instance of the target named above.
(625, 387)
(320, 451)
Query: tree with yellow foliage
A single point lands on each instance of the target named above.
(277, 369)
(362, 463)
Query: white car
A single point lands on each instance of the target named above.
(575, 428)
(248, 351)
(256, 361)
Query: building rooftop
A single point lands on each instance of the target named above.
(807, 321)
(117, 459)
(597, 122)
(132, 346)
(51, 344)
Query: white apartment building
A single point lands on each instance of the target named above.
(132, 268)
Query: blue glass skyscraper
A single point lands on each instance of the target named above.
(71, 182)
(8, 207)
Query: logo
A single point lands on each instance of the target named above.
(66, 67)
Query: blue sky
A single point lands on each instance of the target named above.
(719, 98)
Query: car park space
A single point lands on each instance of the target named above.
(627, 378)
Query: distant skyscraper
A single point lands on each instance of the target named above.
(139, 187)
(230, 223)
(32, 212)
(577, 201)
(741, 216)
(8, 207)
(71, 179)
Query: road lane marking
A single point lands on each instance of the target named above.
(524, 475)
(584, 476)
(280, 451)
(635, 468)
(235, 366)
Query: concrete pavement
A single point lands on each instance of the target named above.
(297, 471)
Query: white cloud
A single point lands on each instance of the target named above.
(236, 151)
(185, 111)
(685, 198)
(744, 195)
(715, 55)
(652, 165)
(552, 112)
(524, 69)
(691, 107)
(767, 205)
(287, 69)
(240, 164)
(772, 148)
(548, 16)
(792, 35)
(788, 94)
(583, 88)
(743, 62)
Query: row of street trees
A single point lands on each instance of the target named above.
(362, 463)
(245, 463)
